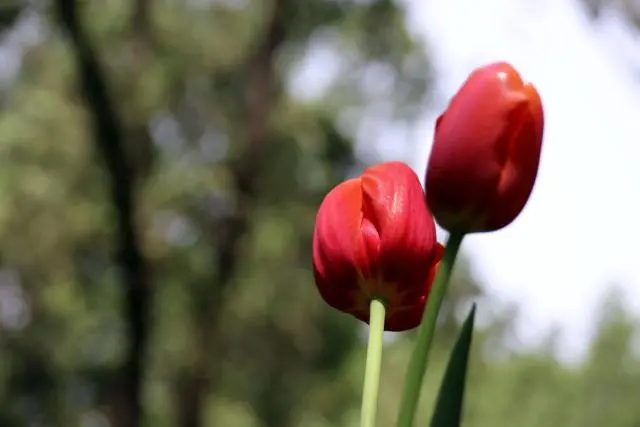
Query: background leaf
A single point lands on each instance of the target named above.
(448, 412)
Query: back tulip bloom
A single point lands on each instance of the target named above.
(374, 238)
(486, 151)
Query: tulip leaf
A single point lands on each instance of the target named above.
(448, 411)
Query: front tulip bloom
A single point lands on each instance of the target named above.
(374, 238)
(486, 151)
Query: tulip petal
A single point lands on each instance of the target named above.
(486, 150)
(375, 238)
(407, 317)
(520, 170)
(393, 199)
(464, 152)
(334, 242)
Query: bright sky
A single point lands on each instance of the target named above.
(580, 231)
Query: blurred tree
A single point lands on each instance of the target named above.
(625, 17)
(9, 13)
(612, 372)
(173, 148)
(629, 8)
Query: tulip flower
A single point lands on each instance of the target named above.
(486, 150)
(374, 238)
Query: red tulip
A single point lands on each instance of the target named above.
(375, 238)
(486, 151)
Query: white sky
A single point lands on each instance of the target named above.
(580, 231)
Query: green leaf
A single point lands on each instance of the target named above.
(448, 412)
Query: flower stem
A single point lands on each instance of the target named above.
(419, 358)
(372, 367)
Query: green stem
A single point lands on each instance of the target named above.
(419, 358)
(372, 367)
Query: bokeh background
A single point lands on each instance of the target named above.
(161, 163)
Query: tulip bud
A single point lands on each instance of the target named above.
(486, 151)
(375, 238)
